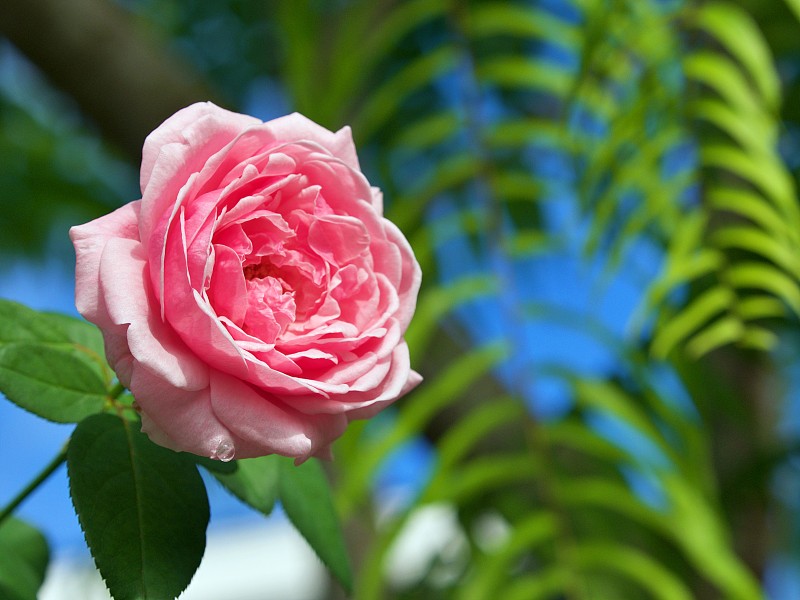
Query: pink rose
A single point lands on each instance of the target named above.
(254, 300)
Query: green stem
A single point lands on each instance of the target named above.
(116, 391)
(31, 487)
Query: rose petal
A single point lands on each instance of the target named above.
(297, 127)
(338, 239)
(227, 292)
(175, 418)
(127, 293)
(261, 425)
(89, 240)
(180, 146)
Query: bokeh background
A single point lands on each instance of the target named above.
(603, 198)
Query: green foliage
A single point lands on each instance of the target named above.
(51, 365)
(54, 174)
(253, 480)
(581, 528)
(305, 494)
(666, 115)
(135, 502)
(306, 497)
(23, 560)
(750, 217)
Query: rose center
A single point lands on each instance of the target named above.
(259, 271)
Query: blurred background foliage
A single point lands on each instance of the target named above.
(602, 195)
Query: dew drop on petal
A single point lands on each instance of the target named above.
(225, 451)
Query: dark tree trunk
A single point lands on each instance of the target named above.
(124, 80)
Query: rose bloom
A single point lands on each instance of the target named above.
(254, 300)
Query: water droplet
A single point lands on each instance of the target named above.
(225, 451)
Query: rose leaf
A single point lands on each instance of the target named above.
(18, 323)
(143, 509)
(51, 382)
(23, 560)
(254, 482)
(82, 335)
(306, 498)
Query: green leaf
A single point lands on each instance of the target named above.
(752, 133)
(83, 334)
(522, 132)
(483, 475)
(23, 560)
(703, 537)
(770, 177)
(610, 400)
(306, 498)
(18, 323)
(701, 310)
(722, 75)
(725, 330)
(758, 338)
(760, 307)
(544, 585)
(492, 572)
(254, 481)
(464, 435)
(615, 497)
(579, 438)
(143, 508)
(51, 382)
(383, 39)
(505, 19)
(418, 410)
(794, 6)
(632, 564)
(762, 276)
(381, 104)
(519, 72)
(740, 35)
(428, 131)
(754, 207)
(433, 305)
(769, 243)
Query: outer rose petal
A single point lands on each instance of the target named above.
(411, 277)
(125, 288)
(119, 355)
(163, 406)
(261, 425)
(89, 240)
(297, 127)
(367, 412)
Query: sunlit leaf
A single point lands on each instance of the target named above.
(50, 382)
(254, 482)
(306, 498)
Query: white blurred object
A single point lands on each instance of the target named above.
(248, 561)
(431, 535)
(257, 559)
